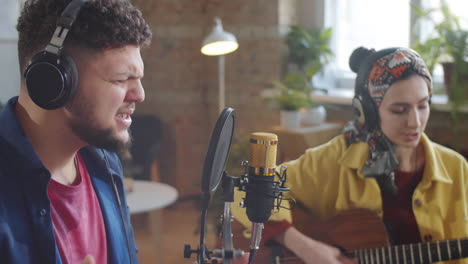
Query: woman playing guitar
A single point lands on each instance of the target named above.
(383, 162)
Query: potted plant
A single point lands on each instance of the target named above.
(448, 41)
(448, 47)
(291, 95)
(308, 52)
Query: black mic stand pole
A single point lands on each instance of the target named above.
(202, 252)
(202, 249)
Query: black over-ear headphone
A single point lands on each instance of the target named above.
(52, 76)
(363, 105)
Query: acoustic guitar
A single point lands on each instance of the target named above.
(362, 234)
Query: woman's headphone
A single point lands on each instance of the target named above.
(364, 107)
(52, 76)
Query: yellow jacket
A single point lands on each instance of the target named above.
(328, 179)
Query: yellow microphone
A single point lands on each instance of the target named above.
(260, 197)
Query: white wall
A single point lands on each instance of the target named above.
(9, 68)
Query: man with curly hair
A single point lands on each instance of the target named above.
(62, 198)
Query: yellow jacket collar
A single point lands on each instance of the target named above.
(357, 154)
(434, 163)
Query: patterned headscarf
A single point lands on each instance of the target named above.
(394, 67)
(377, 71)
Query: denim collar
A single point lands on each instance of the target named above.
(12, 134)
(22, 152)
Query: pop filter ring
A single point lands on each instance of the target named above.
(218, 149)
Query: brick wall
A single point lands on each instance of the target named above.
(181, 84)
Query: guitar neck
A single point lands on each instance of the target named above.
(415, 253)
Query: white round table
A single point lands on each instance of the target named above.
(148, 195)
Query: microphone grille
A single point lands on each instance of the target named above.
(263, 147)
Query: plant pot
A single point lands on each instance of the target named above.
(314, 116)
(290, 119)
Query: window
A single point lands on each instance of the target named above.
(376, 24)
(9, 69)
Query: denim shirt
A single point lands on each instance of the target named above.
(26, 232)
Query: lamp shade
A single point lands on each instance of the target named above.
(219, 42)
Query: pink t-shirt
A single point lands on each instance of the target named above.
(77, 219)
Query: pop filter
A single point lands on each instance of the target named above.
(218, 151)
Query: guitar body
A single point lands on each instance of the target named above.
(350, 230)
(353, 229)
(360, 233)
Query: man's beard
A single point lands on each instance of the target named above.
(82, 124)
(101, 138)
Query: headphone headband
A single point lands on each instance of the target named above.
(70, 12)
(64, 24)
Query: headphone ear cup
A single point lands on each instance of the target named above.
(366, 111)
(51, 80)
(359, 110)
(72, 75)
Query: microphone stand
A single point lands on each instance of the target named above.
(229, 183)
(227, 253)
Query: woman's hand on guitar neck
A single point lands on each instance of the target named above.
(312, 251)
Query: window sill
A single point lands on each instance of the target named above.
(344, 97)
